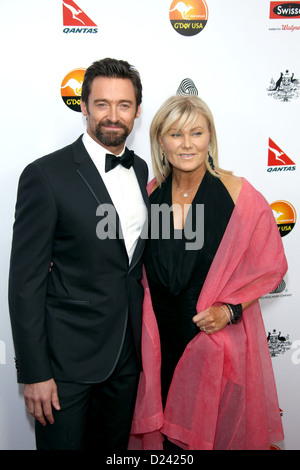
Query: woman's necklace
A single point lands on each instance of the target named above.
(187, 191)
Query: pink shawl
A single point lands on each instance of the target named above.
(223, 393)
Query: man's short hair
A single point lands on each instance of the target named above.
(111, 68)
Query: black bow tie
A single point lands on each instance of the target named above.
(126, 160)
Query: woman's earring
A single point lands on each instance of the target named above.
(211, 161)
(164, 159)
(212, 165)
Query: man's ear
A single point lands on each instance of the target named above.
(84, 109)
(138, 112)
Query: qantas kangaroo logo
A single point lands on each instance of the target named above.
(75, 16)
(276, 156)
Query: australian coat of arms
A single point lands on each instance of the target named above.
(278, 344)
(285, 88)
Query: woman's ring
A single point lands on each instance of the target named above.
(203, 328)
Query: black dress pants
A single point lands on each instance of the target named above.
(95, 416)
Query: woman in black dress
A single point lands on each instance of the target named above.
(213, 240)
(183, 135)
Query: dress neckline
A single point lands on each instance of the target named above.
(196, 198)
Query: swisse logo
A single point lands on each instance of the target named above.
(284, 10)
(71, 89)
(75, 20)
(188, 18)
(285, 216)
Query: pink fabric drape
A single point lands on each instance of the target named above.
(223, 393)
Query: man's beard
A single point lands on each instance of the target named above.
(113, 138)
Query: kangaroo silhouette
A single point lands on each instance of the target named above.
(74, 12)
(277, 214)
(277, 154)
(182, 8)
(75, 85)
(278, 83)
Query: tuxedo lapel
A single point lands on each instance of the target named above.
(87, 170)
(142, 184)
(141, 241)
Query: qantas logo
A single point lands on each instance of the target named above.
(278, 160)
(75, 20)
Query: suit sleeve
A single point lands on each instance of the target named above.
(35, 221)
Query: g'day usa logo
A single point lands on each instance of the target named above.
(75, 20)
(188, 18)
(285, 216)
(71, 89)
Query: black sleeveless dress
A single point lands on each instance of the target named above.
(176, 274)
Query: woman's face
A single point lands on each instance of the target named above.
(187, 148)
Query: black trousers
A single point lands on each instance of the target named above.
(95, 416)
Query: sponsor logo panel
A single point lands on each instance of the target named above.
(188, 18)
(279, 10)
(288, 13)
(285, 216)
(75, 20)
(280, 291)
(278, 160)
(278, 343)
(285, 87)
(71, 89)
(187, 87)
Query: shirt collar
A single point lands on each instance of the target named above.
(94, 149)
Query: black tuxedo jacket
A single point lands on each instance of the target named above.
(70, 323)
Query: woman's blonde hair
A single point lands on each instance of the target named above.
(184, 111)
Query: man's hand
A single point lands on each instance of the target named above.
(39, 399)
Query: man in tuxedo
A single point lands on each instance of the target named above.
(77, 328)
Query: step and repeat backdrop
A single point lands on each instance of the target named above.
(242, 58)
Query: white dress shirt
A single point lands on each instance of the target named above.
(124, 190)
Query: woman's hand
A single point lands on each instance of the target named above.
(212, 319)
